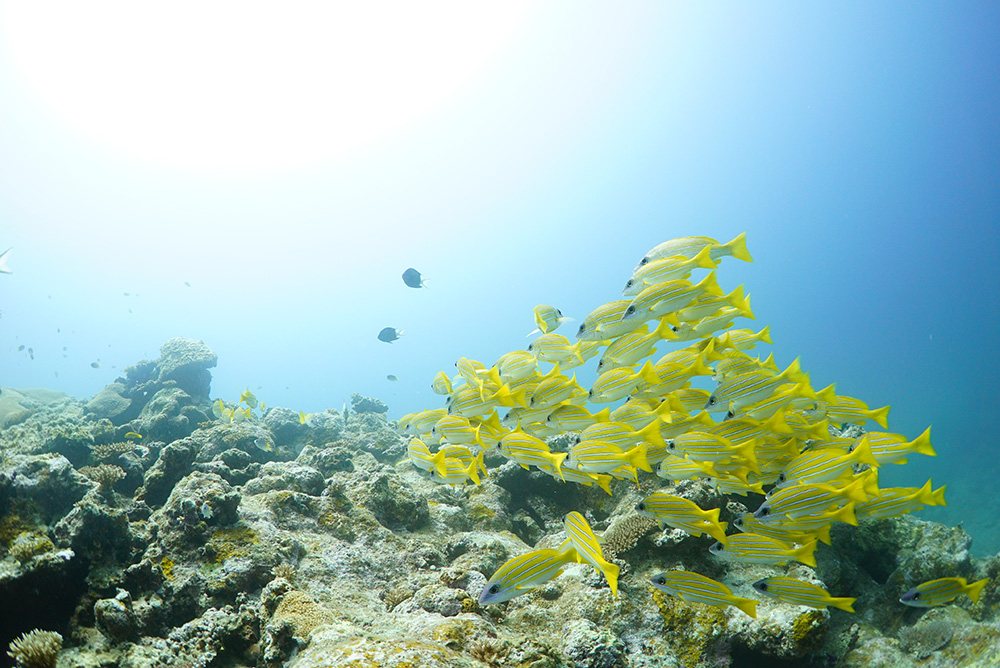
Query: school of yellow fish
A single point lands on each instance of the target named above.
(759, 427)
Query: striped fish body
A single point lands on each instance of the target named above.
(724, 318)
(529, 450)
(705, 447)
(895, 501)
(681, 513)
(619, 383)
(639, 414)
(421, 455)
(894, 448)
(583, 540)
(746, 390)
(667, 269)
(548, 318)
(658, 300)
(739, 339)
(691, 246)
(616, 433)
(672, 467)
(630, 348)
(516, 365)
(553, 391)
(441, 383)
(805, 500)
(455, 429)
(694, 588)
(521, 574)
(798, 592)
(605, 322)
(824, 465)
(466, 401)
(689, 399)
(751, 548)
(570, 417)
(854, 411)
(786, 533)
(601, 457)
(933, 593)
(554, 348)
(568, 474)
(454, 471)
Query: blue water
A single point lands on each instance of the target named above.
(856, 145)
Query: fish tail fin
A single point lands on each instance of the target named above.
(844, 603)
(637, 457)
(4, 269)
(738, 248)
(472, 471)
(604, 482)
(846, 515)
(746, 605)
(611, 572)
(648, 374)
(717, 530)
(937, 497)
(863, 453)
(703, 260)
(805, 554)
(480, 463)
(765, 335)
(664, 330)
(603, 415)
(557, 460)
(823, 534)
(973, 589)
(922, 444)
(709, 286)
(651, 432)
(438, 461)
(881, 416)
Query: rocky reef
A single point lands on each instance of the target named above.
(194, 546)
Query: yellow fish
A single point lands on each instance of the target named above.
(132, 436)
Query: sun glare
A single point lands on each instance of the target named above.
(235, 87)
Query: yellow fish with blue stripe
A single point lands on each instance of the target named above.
(548, 318)
(678, 512)
(691, 246)
(933, 593)
(798, 592)
(522, 574)
(694, 588)
(588, 547)
(752, 548)
(667, 269)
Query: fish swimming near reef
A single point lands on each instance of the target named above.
(522, 574)
(389, 334)
(4, 269)
(933, 593)
(798, 592)
(412, 278)
(694, 588)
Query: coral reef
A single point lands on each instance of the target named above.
(196, 547)
(36, 649)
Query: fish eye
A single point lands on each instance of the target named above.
(764, 512)
(661, 580)
(640, 506)
(558, 313)
(781, 477)
(629, 283)
(720, 547)
(915, 596)
(762, 586)
(671, 444)
(712, 400)
(630, 310)
(494, 589)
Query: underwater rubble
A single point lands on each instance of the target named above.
(148, 531)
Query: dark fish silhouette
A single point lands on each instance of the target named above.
(391, 377)
(389, 334)
(412, 278)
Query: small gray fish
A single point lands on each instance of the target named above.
(96, 365)
(412, 278)
(262, 444)
(389, 334)
(391, 377)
